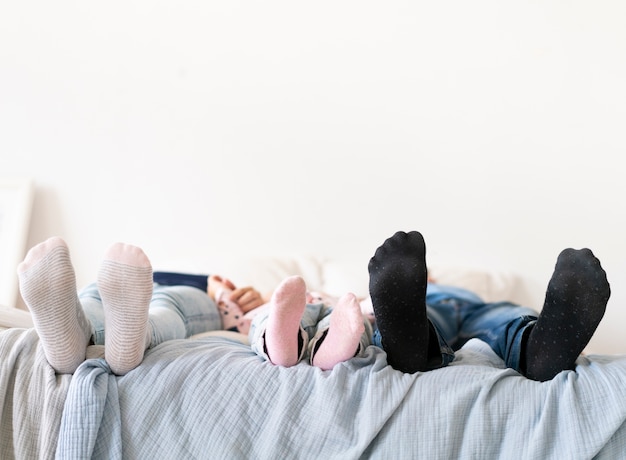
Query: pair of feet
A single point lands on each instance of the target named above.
(48, 286)
(287, 305)
(575, 302)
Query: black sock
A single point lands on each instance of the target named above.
(398, 278)
(575, 302)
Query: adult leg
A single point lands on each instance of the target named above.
(398, 280)
(541, 346)
(176, 312)
(504, 326)
(575, 302)
(136, 316)
(125, 284)
(48, 285)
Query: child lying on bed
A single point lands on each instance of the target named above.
(294, 323)
(138, 315)
(420, 325)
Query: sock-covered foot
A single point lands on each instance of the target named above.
(283, 323)
(125, 285)
(344, 334)
(575, 302)
(48, 286)
(398, 278)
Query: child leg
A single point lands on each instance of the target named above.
(342, 339)
(283, 323)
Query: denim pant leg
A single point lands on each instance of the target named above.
(440, 354)
(504, 326)
(442, 304)
(457, 315)
(176, 312)
(91, 302)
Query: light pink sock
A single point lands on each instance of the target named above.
(48, 286)
(125, 285)
(283, 324)
(343, 336)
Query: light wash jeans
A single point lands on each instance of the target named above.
(176, 312)
(457, 315)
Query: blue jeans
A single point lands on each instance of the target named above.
(457, 315)
(176, 312)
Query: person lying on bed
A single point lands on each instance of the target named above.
(293, 323)
(137, 314)
(419, 324)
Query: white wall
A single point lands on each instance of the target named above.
(200, 130)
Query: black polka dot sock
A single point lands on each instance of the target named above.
(575, 302)
(398, 279)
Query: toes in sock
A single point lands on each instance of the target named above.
(398, 280)
(344, 334)
(48, 286)
(283, 324)
(125, 285)
(575, 303)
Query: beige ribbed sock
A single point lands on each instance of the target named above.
(344, 334)
(125, 285)
(283, 324)
(48, 285)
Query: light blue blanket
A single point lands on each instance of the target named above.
(214, 398)
(31, 397)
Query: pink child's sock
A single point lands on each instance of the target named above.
(343, 336)
(283, 324)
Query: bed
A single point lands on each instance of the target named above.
(212, 397)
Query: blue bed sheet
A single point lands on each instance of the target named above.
(214, 398)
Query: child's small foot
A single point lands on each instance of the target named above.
(283, 324)
(125, 285)
(344, 334)
(48, 286)
(575, 302)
